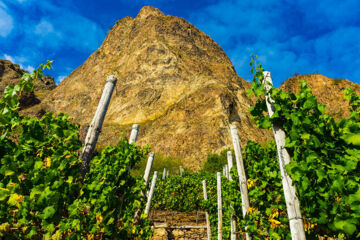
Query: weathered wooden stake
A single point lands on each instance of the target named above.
(232, 218)
(164, 174)
(292, 202)
(151, 193)
(227, 171)
(219, 202)
(146, 181)
(181, 171)
(134, 133)
(148, 168)
(96, 124)
(241, 172)
(230, 163)
(167, 174)
(208, 228)
(224, 171)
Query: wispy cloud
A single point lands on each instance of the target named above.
(20, 61)
(303, 36)
(46, 30)
(6, 21)
(60, 78)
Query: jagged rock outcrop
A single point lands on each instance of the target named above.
(327, 90)
(174, 81)
(10, 74)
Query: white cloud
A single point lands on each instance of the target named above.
(43, 28)
(19, 60)
(8, 57)
(28, 68)
(60, 78)
(6, 21)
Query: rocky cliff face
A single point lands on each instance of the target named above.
(327, 90)
(10, 74)
(174, 81)
(177, 83)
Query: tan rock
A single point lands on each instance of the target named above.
(160, 233)
(177, 233)
(327, 90)
(174, 81)
(10, 74)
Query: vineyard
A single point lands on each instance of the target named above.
(305, 184)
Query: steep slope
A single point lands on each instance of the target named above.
(10, 74)
(174, 80)
(327, 90)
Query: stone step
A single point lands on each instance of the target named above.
(178, 225)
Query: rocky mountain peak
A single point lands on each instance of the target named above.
(173, 80)
(147, 11)
(177, 83)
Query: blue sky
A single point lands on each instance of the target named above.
(302, 36)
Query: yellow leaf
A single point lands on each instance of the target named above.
(250, 183)
(9, 172)
(57, 235)
(251, 209)
(15, 199)
(275, 214)
(99, 218)
(274, 223)
(23, 229)
(48, 162)
(4, 227)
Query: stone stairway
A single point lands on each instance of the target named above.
(178, 225)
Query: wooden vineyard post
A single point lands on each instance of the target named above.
(208, 228)
(167, 174)
(151, 193)
(96, 124)
(219, 202)
(232, 218)
(164, 174)
(133, 137)
(230, 163)
(181, 170)
(146, 181)
(227, 171)
(224, 171)
(134, 133)
(292, 202)
(241, 172)
(148, 168)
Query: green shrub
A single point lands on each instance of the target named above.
(215, 162)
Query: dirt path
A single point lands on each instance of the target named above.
(178, 225)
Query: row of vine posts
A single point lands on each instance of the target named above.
(94, 132)
(292, 202)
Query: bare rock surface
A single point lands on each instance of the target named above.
(174, 81)
(328, 91)
(10, 74)
(177, 83)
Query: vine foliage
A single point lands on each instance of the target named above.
(42, 195)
